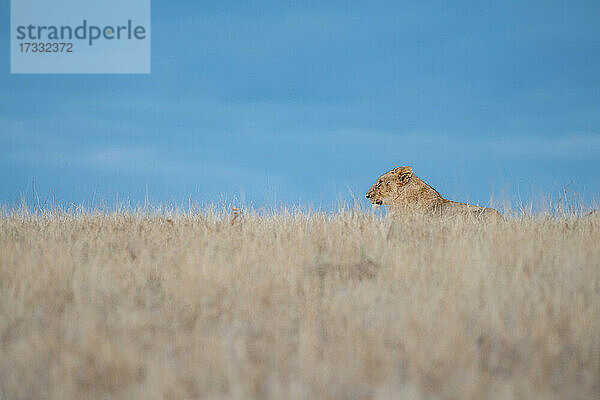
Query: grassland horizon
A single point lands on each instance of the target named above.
(160, 302)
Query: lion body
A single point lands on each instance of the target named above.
(405, 192)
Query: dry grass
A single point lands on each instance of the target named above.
(298, 306)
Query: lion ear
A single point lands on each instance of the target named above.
(405, 173)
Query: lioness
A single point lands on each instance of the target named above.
(401, 189)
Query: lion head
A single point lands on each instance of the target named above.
(389, 185)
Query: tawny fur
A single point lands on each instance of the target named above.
(403, 191)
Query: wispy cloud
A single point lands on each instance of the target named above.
(563, 146)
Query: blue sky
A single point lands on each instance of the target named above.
(309, 102)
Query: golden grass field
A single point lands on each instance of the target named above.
(297, 305)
